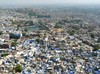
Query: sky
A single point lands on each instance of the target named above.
(49, 2)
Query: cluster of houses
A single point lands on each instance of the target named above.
(58, 53)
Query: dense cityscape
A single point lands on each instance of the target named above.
(50, 40)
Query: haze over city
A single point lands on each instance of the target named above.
(49, 2)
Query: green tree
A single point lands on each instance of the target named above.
(57, 26)
(1, 32)
(92, 35)
(14, 44)
(4, 55)
(99, 39)
(39, 41)
(25, 30)
(13, 36)
(71, 32)
(24, 34)
(96, 47)
(18, 68)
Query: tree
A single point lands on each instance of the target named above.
(96, 47)
(18, 68)
(39, 41)
(71, 32)
(25, 30)
(99, 39)
(57, 26)
(1, 32)
(92, 35)
(4, 55)
(24, 34)
(14, 44)
(14, 36)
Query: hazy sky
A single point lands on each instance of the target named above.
(49, 1)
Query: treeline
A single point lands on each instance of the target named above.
(31, 13)
(25, 23)
(74, 21)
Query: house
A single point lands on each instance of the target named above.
(71, 37)
(2, 40)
